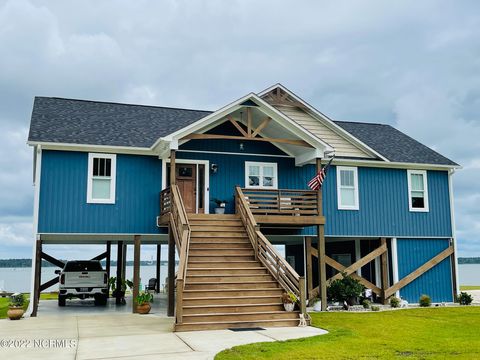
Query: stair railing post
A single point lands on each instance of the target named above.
(179, 305)
(303, 299)
(256, 228)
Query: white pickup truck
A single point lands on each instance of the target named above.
(83, 279)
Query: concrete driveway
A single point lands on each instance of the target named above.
(126, 336)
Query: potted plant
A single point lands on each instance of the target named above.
(125, 283)
(289, 300)
(143, 302)
(345, 290)
(316, 303)
(220, 209)
(15, 309)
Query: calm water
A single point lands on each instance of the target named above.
(18, 279)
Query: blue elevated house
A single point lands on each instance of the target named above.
(221, 187)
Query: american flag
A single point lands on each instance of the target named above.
(317, 181)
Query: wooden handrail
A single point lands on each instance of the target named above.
(280, 269)
(180, 228)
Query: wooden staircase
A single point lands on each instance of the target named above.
(225, 286)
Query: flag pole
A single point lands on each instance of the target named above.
(321, 246)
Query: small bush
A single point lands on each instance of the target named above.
(464, 298)
(425, 301)
(17, 300)
(289, 298)
(375, 308)
(346, 289)
(366, 303)
(394, 302)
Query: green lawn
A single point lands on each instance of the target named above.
(469, 287)
(5, 301)
(434, 333)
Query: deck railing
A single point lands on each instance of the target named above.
(281, 270)
(171, 203)
(282, 202)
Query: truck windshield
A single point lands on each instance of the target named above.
(83, 266)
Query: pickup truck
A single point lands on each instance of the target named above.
(83, 279)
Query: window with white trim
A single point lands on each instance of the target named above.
(347, 188)
(260, 175)
(417, 190)
(101, 178)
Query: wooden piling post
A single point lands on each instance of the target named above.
(37, 268)
(118, 284)
(158, 264)
(384, 270)
(136, 271)
(171, 273)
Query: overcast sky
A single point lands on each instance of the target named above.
(412, 64)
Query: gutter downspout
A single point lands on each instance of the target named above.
(452, 221)
(36, 206)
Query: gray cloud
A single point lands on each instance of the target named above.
(411, 64)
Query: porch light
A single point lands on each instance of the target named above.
(241, 147)
(214, 168)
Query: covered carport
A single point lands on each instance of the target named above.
(112, 243)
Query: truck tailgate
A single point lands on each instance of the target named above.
(85, 279)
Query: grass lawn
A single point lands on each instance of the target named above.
(434, 333)
(5, 301)
(469, 287)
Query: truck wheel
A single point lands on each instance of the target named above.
(61, 300)
(100, 300)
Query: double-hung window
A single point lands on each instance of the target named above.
(347, 188)
(417, 190)
(101, 178)
(259, 175)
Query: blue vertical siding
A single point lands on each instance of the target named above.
(437, 282)
(383, 211)
(63, 195)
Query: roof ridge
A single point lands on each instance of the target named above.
(361, 122)
(120, 103)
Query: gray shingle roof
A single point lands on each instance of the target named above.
(70, 121)
(393, 144)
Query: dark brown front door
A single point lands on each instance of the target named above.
(187, 184)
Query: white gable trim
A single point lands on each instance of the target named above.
(170, 142)
(326, 121)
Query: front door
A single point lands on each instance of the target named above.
(186, 180)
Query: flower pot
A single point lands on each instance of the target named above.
(220, 210)
(144, 308)
(317, 306)
(289, 306)
(15, 313)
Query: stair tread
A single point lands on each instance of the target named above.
(236, 297)
(231, 305)
(224, 275)
(229, 268)
(217, 290)
(231, 282)
(271, 312)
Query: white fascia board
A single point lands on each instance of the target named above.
(326, 120)
(93, 148)
(291, 125)
(308, 156)
(394, 165)
(205, 121)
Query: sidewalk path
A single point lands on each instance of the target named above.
(125, 336)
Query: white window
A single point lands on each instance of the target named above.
(260, 175)
(101, 178)
(347, 188)
(417, 190)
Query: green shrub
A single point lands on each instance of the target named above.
(394, 302)
(465, 298)
(425, 301)
(144, 298)
(345, 289)
(366, 303)
(17, 300)
(375, 308)
(289, 298)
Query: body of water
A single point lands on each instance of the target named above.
(18, 279)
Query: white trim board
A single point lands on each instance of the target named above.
(206, 191)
